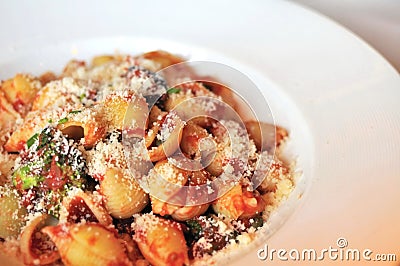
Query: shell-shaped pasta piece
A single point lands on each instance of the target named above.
(220, 153)
(156, 117)
(130, 113)
(84, 206)
(49, 97)
(47, 77)
(175, 99)
(107, 73)
(162, 208)
(186, 91)
(165, 180)
(230, 204)
(12, 214)
(183, 213)
(142, 262)
(161, 241)
(122, 194)
(192, 134)
(101, 60)
(188, 212)
(232, 150)
(171, 135)
(72, 67)
(196, 103)
(61, 93)
(238, 203)
(156, 114)
(253, 203)
(197, 194)
(132, 250)
(224, 92)
(273, 174)
(20, 91)
(33, 123)
(152, 134)
(87, 244)
(86, 124)
(7, 162)
(117, 105)
(266, 136)
(216, 167)
(36, 247)
(8, 115)
(161, 59)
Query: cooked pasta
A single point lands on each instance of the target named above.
(266, 136)
(84, 207)
(7, 162)
(87, 244)
(238, 203)
(12, 213)
(86, 125)
(35, 245)
(32, 124)
(109, 164)
(8, 114)
(123, 196)
(152, 234)
(183, 213)
(20, 91)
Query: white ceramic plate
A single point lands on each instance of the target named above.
(338, 97)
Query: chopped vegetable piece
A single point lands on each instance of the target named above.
(32, 140)
(173, 90)
(75, 111)
(63, 120)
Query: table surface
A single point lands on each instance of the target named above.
(375, 21)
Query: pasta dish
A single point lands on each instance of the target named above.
(112, 162)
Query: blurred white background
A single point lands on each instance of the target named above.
(375, 21)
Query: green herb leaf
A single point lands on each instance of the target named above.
(50, 120)
(44, 139)
(63, 120)
(158, 142)
(82, 96)
(195, 228)
(173, 90)
(75, 112)
(28, 180)
(258, 221)
(32, 140)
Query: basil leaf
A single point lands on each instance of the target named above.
(32, 140)
(75, 112)
(173, 90)
(63, 120)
